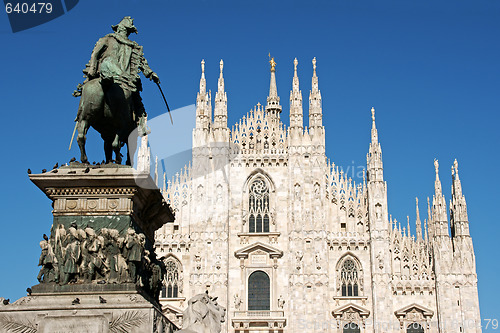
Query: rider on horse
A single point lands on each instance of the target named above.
(116, 60)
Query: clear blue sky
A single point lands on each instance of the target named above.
(430, 68)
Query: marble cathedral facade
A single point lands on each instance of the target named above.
(288, 243)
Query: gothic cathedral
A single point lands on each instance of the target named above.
(288, 243)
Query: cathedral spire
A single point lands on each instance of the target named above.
(457, 185)
(374, 127)
(437, 183)
(430, 230)
(315, 108)
(221, 78)
(439, 214)
(418, 223)
(295, 77)
(273, 106)
(458, 206)
(203, 82)
(220, 109)
(375, 166)
(203, 112)
(408, 225)
(426, 235)
(296, 113)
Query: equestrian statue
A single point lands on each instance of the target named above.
(110, 95)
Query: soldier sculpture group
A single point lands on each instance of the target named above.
(83, 256)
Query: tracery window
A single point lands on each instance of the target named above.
(259, 290)
(258, 206)
(349, 278)
(415, 328)
(172, 283)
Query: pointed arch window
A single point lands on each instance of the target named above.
(349, 278)
(172, 281)
(258, 206)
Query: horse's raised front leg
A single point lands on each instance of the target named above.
(82, 127)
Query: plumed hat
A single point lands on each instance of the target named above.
(128, 23)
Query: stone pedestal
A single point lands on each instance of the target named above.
(107, 196)
(99, 271)
(79, 309)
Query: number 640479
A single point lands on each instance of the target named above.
(25, 8)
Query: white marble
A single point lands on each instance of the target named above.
(319, 220)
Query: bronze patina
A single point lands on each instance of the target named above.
(110, 95)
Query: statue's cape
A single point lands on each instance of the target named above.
(124, 67)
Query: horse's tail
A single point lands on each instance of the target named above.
(80, 107)
(91, 99)
(78, 93)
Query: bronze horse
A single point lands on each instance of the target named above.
(110, 100)
(108, 108)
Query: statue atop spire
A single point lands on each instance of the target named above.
(315, 107)
(457, 186)
(439, 212)
(203, 83)
(315, 85)
(374, 156)
(203, 107)
(273, 64)
(374, 127)
(455, 168)
(437, 183)
(220, 109)
(221, 78)
(273, 106)
(296, 113)
(458, 205)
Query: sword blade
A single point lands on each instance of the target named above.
(163, 95)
